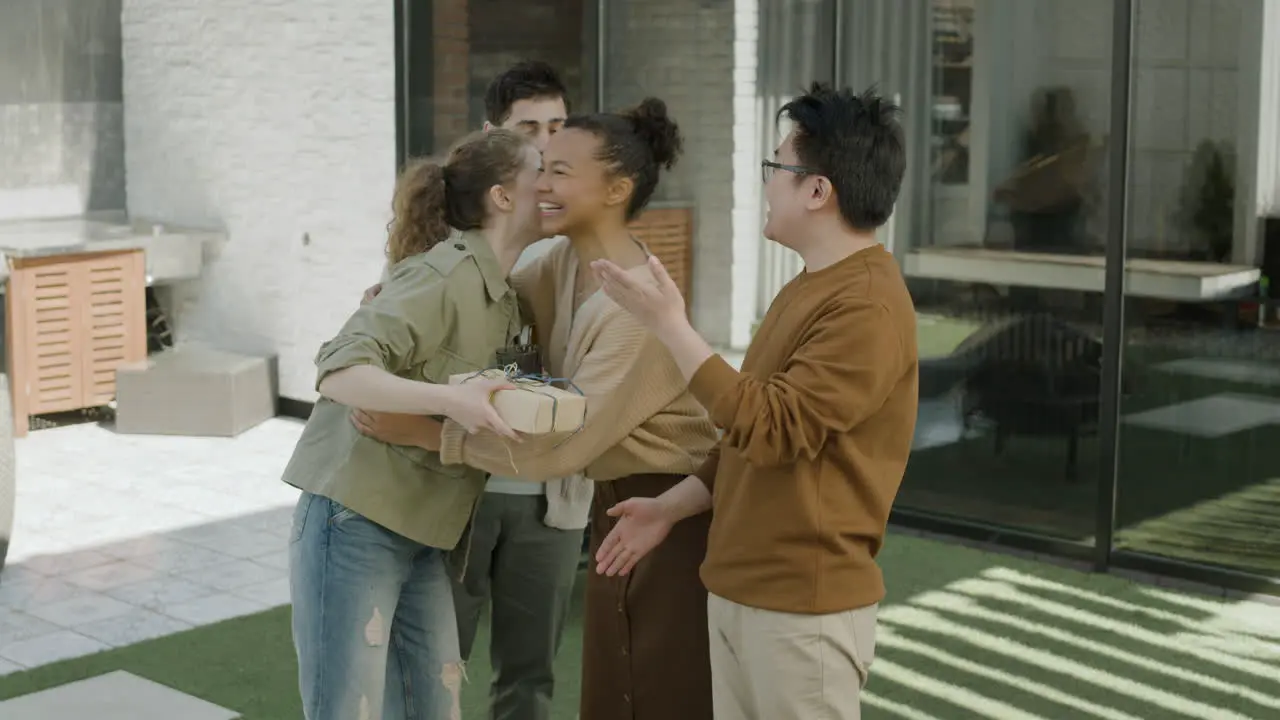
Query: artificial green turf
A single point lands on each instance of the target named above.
(247, 663)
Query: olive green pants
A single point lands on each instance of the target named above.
(525, 571)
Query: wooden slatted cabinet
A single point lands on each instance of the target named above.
(71, 321)
(668, 233)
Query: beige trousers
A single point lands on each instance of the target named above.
(781, 666)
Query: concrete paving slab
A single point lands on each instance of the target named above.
(115, 696)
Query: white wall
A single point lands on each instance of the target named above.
(1193, 81)
(746, 215)
(275, 121)
(1269, 113)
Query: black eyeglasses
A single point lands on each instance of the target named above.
(768, 166)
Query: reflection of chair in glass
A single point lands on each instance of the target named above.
(1048, 194)
(1033, 375)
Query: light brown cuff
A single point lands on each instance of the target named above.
(713, 379)
(452, 436)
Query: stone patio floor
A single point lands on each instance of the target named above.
(123, 538)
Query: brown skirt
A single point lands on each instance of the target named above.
(645, 653)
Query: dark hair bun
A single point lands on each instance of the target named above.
(657, 129)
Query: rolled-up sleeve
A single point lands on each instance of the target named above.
(400, 328)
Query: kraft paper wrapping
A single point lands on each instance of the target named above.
(535, 407)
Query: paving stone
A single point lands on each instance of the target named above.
(36, 592)
(82, 609)
(64, 563)
(132, 627)
(272, 593)
(16, 625)
(212, 609)
(167, 590)
(49, 648)
(115, 696)
(115, 574)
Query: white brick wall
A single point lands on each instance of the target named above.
(274, 120)
(746, 223)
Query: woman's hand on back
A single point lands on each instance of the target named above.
(468, 404)
(399, 429)
(371, 293)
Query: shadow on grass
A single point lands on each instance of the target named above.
(1037, 642)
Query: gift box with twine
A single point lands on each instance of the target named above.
(535, 406)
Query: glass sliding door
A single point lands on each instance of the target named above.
(1199, 469)
(1001, 232)
(451, 49)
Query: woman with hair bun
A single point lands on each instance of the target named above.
(645, 650)
(373, 616)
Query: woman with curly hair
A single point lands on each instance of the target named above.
(373, 615)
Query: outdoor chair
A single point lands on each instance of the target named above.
(1033, 376)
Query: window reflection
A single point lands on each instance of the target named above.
(1007, 272)
(1200, 430)
(1008, 267)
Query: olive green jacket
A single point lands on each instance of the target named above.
(440, 313)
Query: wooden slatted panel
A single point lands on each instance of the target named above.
(54, 380)
(114, 312)
(668, 232)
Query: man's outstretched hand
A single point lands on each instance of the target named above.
(659, 307)
(642, 524)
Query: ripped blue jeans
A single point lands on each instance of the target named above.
(373, 620)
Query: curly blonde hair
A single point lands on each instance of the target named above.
(432, 198)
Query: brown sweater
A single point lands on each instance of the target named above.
(818, 427)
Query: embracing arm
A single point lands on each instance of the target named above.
(627, 377)
(397, 329)
(372, 388)
(843, 370)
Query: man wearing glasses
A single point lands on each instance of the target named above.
(817, 426)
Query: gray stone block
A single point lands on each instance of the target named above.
(195, 391)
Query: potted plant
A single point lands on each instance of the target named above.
(1208, 201)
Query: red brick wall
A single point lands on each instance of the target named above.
(507, 31)
(451, 56)
(474, 40)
